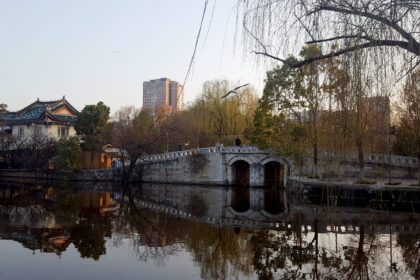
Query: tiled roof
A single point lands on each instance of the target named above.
(37, 110)
(33, 114)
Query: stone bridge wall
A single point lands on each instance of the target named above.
(179, 167)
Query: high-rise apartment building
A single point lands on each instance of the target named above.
(163, 92)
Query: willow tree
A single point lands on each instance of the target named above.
(211, 119)
(411, 114)
(377, 40)
(272, 26)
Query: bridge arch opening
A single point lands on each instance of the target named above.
(273, 174)
(240, 199)
(240, 173)
(274, 202)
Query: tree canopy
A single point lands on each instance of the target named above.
(93, 119)
(92, 124)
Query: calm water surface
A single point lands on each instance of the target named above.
(52, 231)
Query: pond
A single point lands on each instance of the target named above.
(103, 231)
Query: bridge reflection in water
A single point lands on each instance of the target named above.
(257, 233)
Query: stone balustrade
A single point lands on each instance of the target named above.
(208, 150)
(369, 158)
(323, 154)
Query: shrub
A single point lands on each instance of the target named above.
(69, 157)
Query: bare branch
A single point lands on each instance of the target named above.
(378, 43)
(383, 20)
(339, 38)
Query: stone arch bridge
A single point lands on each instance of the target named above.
(217, 166)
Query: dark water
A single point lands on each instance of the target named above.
(48, 231)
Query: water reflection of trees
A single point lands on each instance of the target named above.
(283, 254)
(410, 245)
(220, 252)
(227, 252)
(88, 236)
(289, 252)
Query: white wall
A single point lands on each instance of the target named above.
(50, 131)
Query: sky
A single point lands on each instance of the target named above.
(103, 50)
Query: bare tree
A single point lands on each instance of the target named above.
(137, 133)
(30, 153)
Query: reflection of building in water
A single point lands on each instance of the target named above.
(36, 238)
(95, 200)
(41, 218)
(12, 191)
(101, 201)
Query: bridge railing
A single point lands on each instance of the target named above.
(179, 154)
(322, 154)
(242, 149)
(208, 150)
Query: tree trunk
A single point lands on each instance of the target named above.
(360, 158)
(315, 155)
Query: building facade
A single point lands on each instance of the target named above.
(41, 120)
(163, 92)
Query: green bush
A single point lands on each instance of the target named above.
(69, 157)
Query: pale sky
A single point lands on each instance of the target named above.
(103, 50)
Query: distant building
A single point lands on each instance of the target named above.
(163, 92)
(41, 119)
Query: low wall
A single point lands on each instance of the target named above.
(21, 173)
(298, 185)
(333, 168)
(110, 175)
